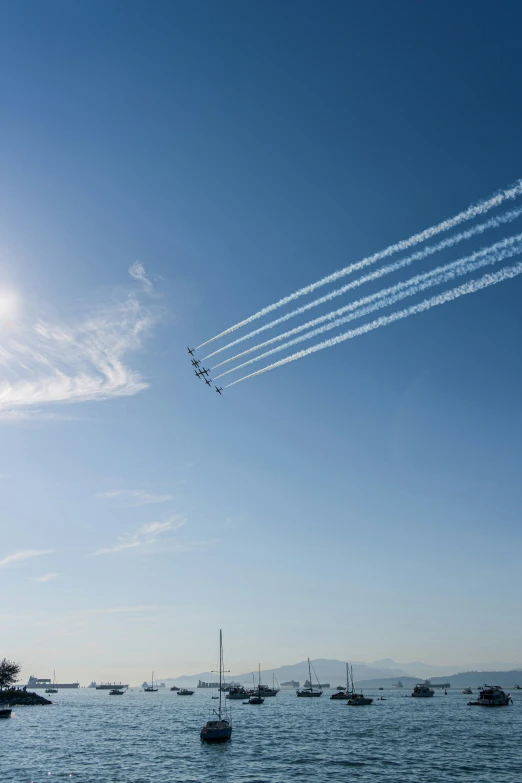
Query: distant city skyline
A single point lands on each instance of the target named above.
(164, 176)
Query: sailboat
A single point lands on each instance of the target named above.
(265, 690)
(256, 697)
(357, 699)
(219, 730)
(152, 689)
(310, 691)
(347, 694)
(53, 689)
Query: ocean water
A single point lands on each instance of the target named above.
(87, 736)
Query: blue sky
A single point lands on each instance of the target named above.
(238, 152)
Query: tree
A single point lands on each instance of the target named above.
(9, 671)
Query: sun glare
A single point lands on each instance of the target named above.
(9, 305)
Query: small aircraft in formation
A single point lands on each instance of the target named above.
(201, 372)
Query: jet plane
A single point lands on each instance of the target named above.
(191, 351)
(195, 362)
(208, 382)
(204, 372)
(199, 373)
(219, 389)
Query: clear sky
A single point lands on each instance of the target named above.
(361, 503)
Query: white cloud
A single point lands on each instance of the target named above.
(136, 497)
(137, 271)
(117, 548)
(145, 535)
(24, 554)
(45, 361)
(46, 577)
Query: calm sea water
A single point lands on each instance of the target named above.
(88, 736)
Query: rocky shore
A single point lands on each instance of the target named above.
(16, 698)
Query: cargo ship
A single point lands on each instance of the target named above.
(109, 686)
(40, 682)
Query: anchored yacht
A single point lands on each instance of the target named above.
(491, 696)
(219, 730)
(310, 691)
(423, 690)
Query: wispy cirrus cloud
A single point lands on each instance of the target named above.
(136, 497)
(46, 577)
(137, 271)
(24, 554)
(84, 358)
(146, 535)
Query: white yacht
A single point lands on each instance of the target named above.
(491, 696)
(467, 691)
(423, 690)
(219, 730)
(311, 691)
(398, 684)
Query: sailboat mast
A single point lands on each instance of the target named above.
(220, 669)
(309, 674)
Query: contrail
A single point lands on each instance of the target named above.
(500, 251)
(512, 192)
(471, 287)
(494, 222)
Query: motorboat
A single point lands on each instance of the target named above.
(517, 687)
(398, 684)
(151, 688)
(5, 713)
(359, 700)
(219, 730)
(467, 691)
(116, 692)
(308, 692)
(185, 692)
(491, 696)
(174, 688)
(423, 690)
(237, 692)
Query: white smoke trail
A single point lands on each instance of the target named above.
(473, 211)
(506, 248)
(494, 222)
(492, 278)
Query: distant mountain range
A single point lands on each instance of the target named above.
(379, 673)
(471, 679)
